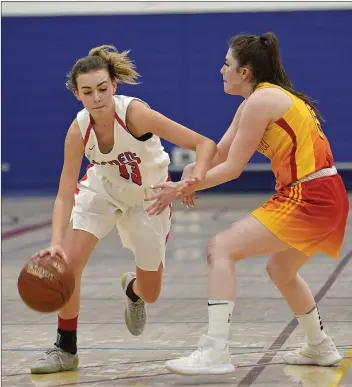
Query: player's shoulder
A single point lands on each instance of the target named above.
(126, 99)
(74, 138)
(74, 131)
(265, 95)
(272, 99)
(82, 115)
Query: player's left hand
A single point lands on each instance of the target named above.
(169, 191)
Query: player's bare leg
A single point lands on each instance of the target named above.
(78, 246)
(247, 237)
(283, 269)
(140, 287)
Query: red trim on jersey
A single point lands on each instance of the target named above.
(86, 137)
(287, 128)
(83, 178)
(170, 207)
(118, 119)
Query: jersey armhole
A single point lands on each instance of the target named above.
(145, 136)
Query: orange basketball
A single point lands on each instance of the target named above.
(46, 283)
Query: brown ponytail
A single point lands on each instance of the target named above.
(118, 64)
(263, 55)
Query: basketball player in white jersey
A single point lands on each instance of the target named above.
(121, 138)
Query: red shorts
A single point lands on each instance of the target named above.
(309, 216)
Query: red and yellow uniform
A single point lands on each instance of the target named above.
(309, 216)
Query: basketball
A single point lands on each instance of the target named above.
(46, 283)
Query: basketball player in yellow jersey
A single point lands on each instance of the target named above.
(307, 214)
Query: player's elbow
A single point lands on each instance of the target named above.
(212, 145)
(209, 146)
(235, 172)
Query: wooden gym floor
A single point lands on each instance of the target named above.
(262, 330)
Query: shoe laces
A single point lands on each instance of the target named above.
(138, 309)
(51, 353)
(323, 350)
(196, 355)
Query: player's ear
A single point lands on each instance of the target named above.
(76, 94)
(114, 87)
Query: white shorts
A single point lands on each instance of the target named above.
(100, 205)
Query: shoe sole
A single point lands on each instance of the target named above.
(43, 371)
(311, 362)
(218, 370)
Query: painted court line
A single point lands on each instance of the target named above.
(254, 373)
(342, 369)
(190, 348)
(24, 230)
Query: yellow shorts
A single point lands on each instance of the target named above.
(309, 216)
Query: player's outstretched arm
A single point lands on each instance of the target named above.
(224, 144)
(255, 117)
(141, 120)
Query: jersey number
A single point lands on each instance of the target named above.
(317, 123)
(134, 175)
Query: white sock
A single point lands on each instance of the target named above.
(220, 313)
(312, 325)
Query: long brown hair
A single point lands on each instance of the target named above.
(262, 54)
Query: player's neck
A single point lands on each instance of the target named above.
(247, 90)
(105, 120)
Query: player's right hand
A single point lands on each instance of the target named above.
(52, 250)
(188, 200)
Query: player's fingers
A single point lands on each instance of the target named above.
(60, 253)
(161, 210)
(44, 252)
(158, 186)
(35, 255)
(152, 208)
(186, 201)
(153, 211)
(152, 198)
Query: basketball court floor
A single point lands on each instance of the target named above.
(262, 329)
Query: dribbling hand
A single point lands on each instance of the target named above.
(52, 250)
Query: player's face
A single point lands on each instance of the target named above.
(95, 91)
(234, 77)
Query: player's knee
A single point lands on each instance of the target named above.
(219, 249)
(213, 249)
(279, 274)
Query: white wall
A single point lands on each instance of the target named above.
(24, 8)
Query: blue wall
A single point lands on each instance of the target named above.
(179, 57)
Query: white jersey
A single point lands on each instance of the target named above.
(131, 162)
